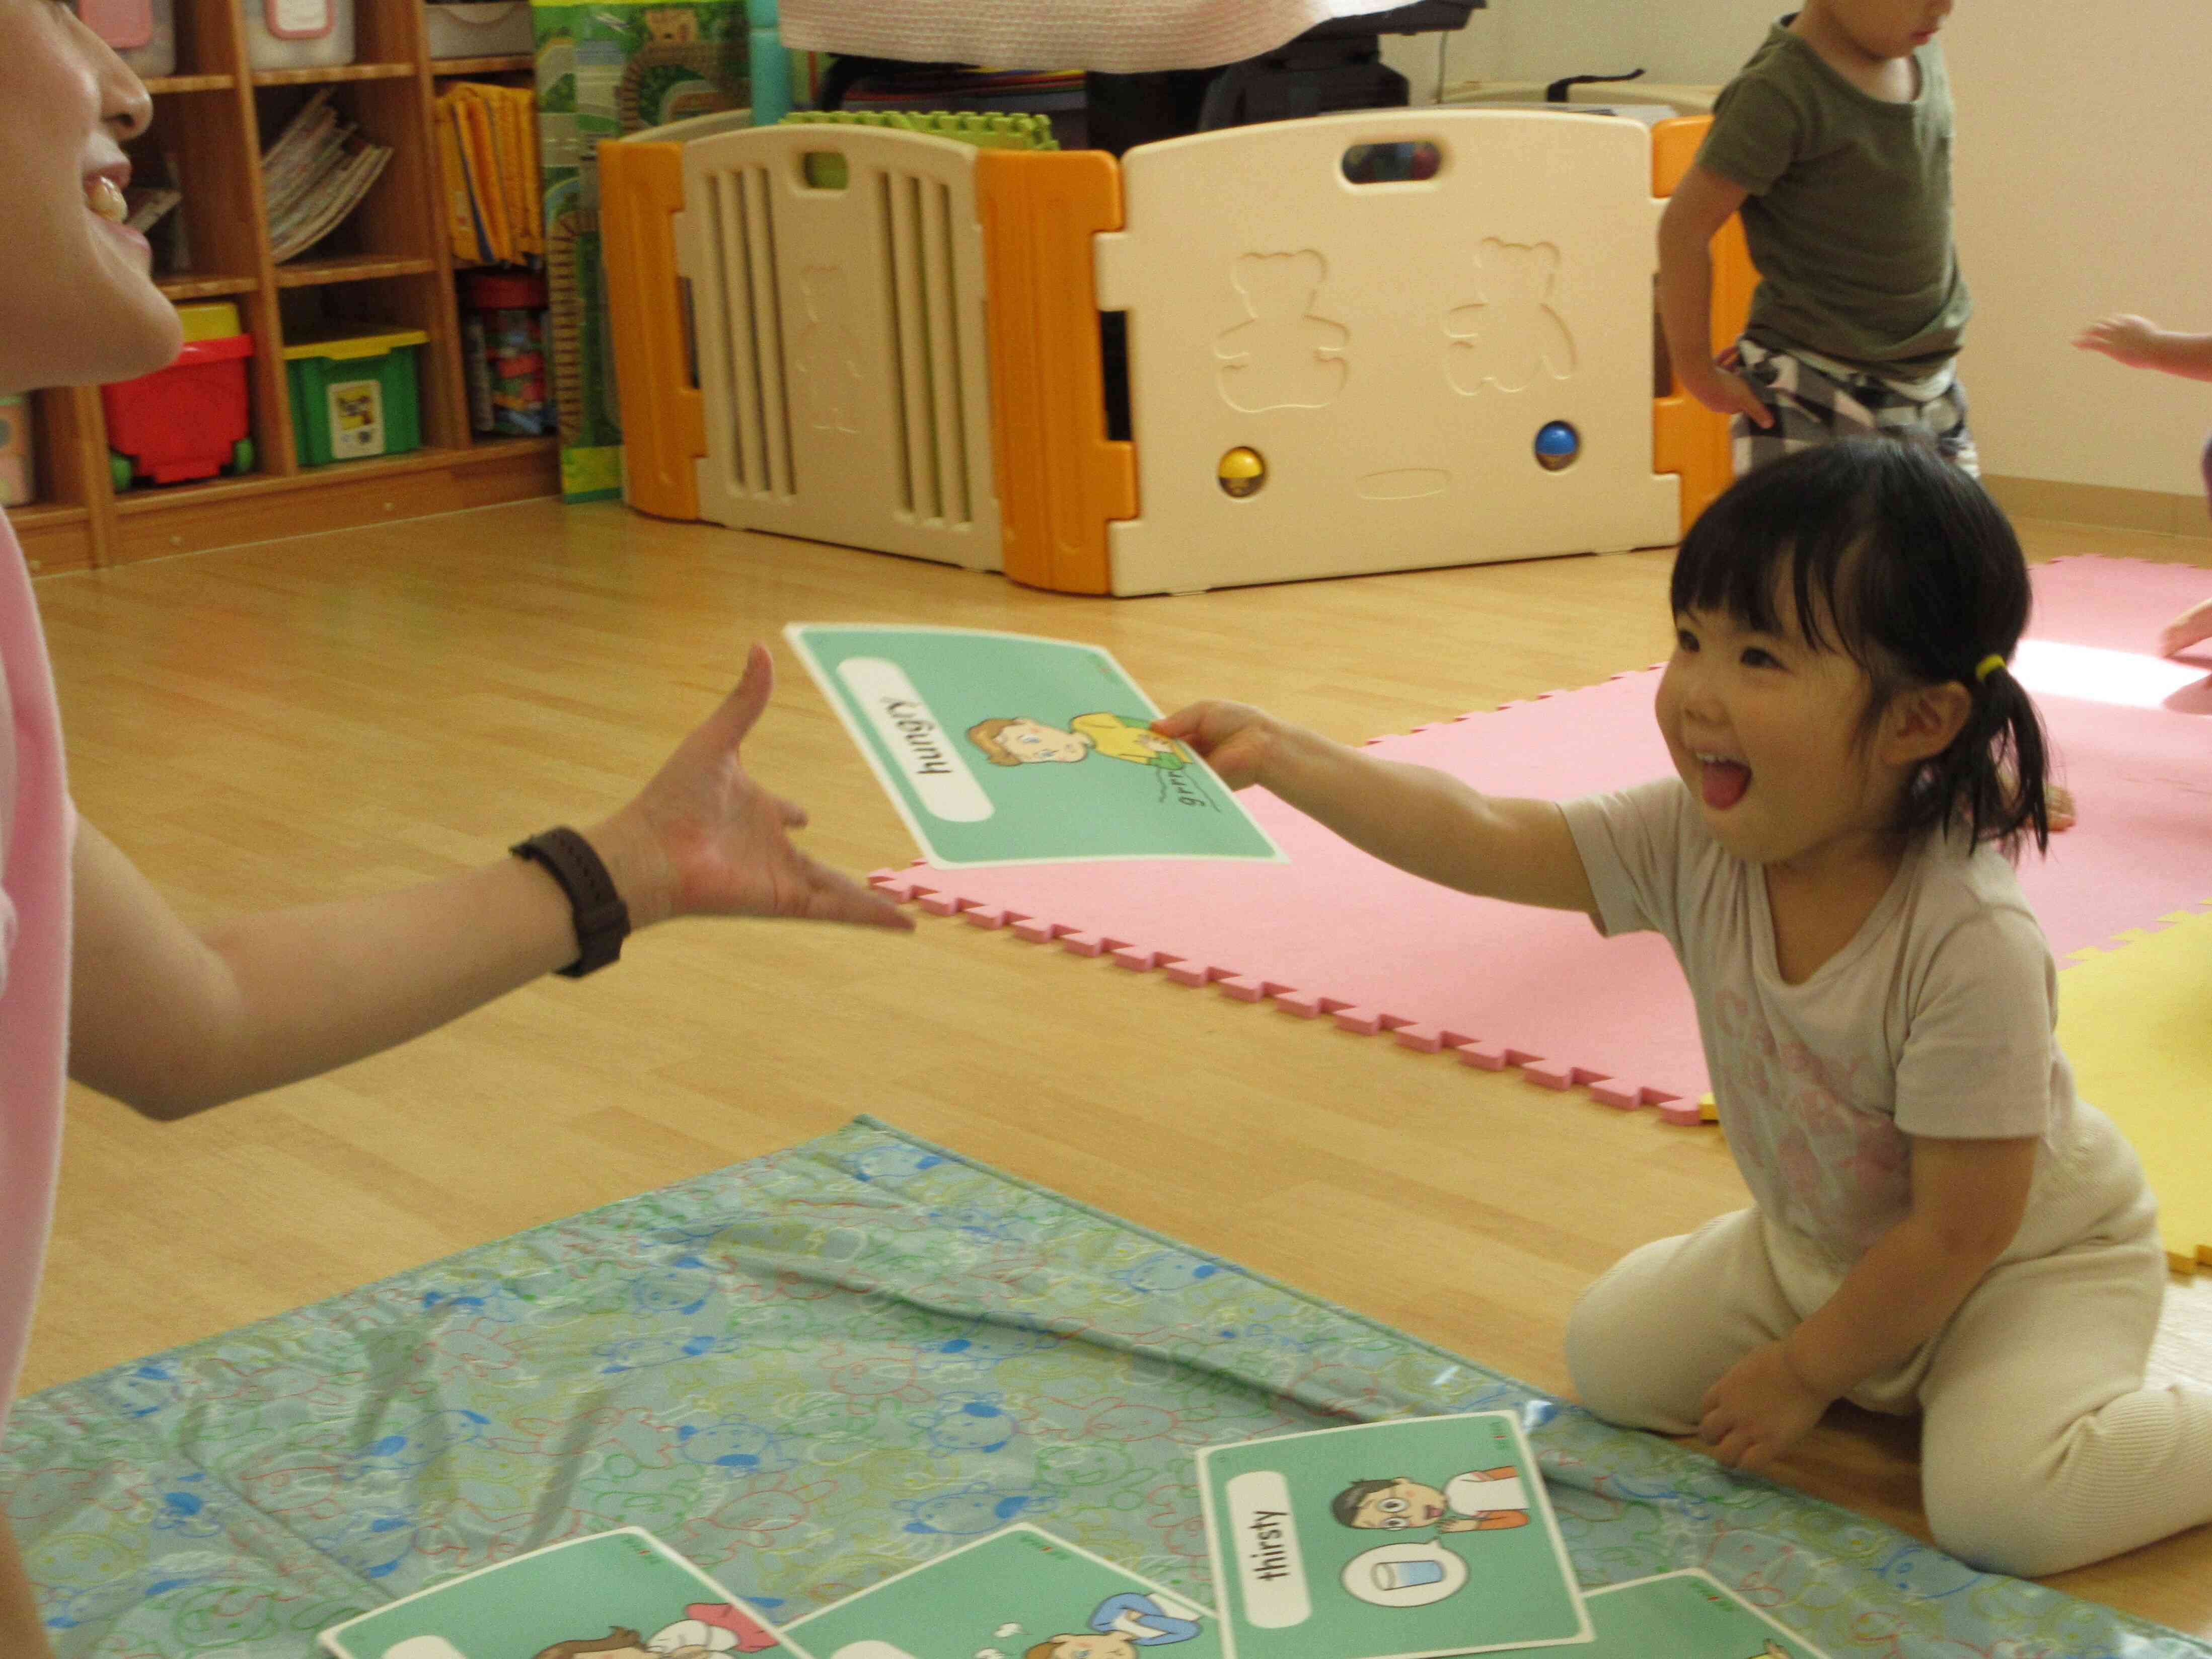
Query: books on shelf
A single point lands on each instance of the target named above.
(149, 207)
(316, 174)
(487, 157)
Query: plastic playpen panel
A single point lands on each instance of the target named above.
(839, 318)
(1389, 349)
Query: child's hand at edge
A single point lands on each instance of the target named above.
(1237, 741)
(2123, 338)
(2059, 808)
(1724, 390)
(2187, 630)
(1759, 1410)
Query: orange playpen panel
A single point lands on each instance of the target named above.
(1061, 478)
(664, 417)
(1687, 437)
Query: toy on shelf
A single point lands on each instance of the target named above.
(143, 33)
(356, 397)
(1452, 365)
(477, 28)
(768, 65)
(190, 420)
(290, 34)
(503, 345)
(19, 481)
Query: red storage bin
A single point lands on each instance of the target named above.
(187, 421)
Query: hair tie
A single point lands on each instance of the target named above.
(1987, 667)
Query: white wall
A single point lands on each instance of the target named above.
(2084, 185)
(2084, 182)
(1685, 41)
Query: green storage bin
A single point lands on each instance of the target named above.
(356, 396)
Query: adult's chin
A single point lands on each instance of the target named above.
(145, 333)
(153, 344)
(117, 325)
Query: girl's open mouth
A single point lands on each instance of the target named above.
(1724, 780)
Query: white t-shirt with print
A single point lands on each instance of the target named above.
(1471, 1495)
(1935, 1020)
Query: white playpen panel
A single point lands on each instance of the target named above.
(840, 340)
(1390, 350)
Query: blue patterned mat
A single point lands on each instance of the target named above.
(815, 1370)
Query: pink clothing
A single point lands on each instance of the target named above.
(36, 824)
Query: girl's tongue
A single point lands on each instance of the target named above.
(1725, 782)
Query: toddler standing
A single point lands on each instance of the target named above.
(1834, 141)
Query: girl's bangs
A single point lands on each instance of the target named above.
(1797, 523)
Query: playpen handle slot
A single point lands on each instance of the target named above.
(1400, 161)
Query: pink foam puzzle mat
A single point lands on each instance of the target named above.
(1336, 934)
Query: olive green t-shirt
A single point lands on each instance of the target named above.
(1848, 217)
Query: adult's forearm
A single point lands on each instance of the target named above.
(323, 985)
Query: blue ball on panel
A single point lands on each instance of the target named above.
(1556, 444)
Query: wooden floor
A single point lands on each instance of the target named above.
(346, 713)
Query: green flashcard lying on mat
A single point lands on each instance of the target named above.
(1009, 749)
(1685, 1615)
(1019, 1593)
(615, 1594)
(1386, 1540)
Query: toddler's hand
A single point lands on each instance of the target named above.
(2058, 808)
(1758, 1411)
(2187, 630)
(2123, 338)
(1726, 392)
(1233, 738)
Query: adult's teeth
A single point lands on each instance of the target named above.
(104, 196)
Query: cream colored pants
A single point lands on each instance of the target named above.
(2041, 1449)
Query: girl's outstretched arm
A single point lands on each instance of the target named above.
(1968, 1200)
(1427, 823)
(171, 1019)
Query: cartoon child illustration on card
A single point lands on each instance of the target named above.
(1019, 740)
(707, 1630)
(1481, 1500)
(1121, 1624)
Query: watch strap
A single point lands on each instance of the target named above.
(602, 919)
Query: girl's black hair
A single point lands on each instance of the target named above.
(1919, 577)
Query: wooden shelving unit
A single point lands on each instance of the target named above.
(388, 264)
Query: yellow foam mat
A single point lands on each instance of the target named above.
(2136, 1022)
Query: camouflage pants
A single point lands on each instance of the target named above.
(1812, 407)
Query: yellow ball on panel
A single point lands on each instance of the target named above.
(1241, 473)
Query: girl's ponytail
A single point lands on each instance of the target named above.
(1994, 774)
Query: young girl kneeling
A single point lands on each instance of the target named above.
(1938, 1224)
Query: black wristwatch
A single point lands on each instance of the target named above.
(602, 919)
